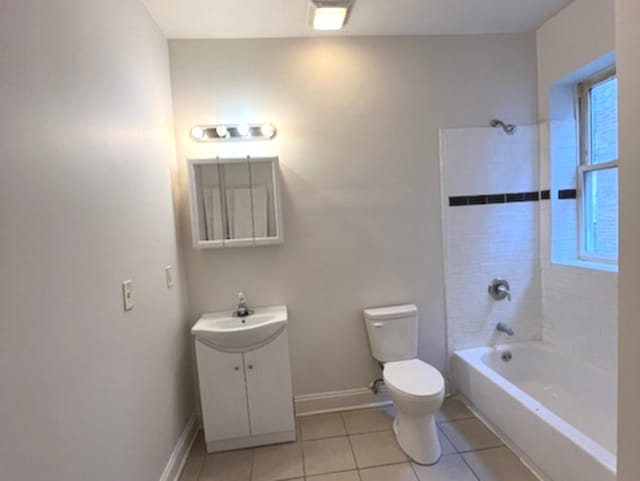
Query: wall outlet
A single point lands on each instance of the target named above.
(127, 295)
(168, 270)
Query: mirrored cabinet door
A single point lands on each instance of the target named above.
(235, 202)
(238, 203)
(267, 217)
(209, 225)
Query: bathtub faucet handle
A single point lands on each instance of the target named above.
(500, 289)
(504, 290)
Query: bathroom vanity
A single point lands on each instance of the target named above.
(245, 378)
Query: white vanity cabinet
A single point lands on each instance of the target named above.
(246, 397)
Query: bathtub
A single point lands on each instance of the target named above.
(558, 413)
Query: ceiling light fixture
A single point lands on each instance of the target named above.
(329, 14)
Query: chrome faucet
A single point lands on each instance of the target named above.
(506, 328)
(243, 308)
(499, 289)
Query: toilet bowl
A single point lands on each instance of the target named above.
(417, 390)
(415, 387)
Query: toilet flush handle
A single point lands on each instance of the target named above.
(378, 324)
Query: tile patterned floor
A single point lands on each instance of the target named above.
(360, 446)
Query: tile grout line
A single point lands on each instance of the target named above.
(353, 453)
(448, 439)
(253, 461)
(475, 475)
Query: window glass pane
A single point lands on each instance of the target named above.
(604, 121)
(601, 213)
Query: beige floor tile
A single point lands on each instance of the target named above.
(229, 466)
(445, 444)
(192, 467)
(498, 465)
(327, 455)
(469, 435)
(344, 476)
(394, 472)
(376, 449)
(321, 426)
(367, 420)
(449, 468)
(453, 410)
(282, 461)
(194, 462)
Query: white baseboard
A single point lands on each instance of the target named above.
(180, 453)
(340, 401)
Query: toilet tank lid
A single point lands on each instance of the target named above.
(392, 312)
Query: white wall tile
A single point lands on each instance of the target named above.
(488, 241)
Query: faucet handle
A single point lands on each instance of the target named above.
(499, 289)
(241, 297)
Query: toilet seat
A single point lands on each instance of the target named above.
(414, 378)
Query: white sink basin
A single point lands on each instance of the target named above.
(225, 332)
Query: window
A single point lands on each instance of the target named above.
(598, 169)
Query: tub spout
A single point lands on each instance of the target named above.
(504, 327)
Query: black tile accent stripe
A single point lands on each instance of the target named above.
(545, 195)
(461, 200)
(567, 194)
(497, 198)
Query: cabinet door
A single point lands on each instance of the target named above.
(222, 393)
(269, 387)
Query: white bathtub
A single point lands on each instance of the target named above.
(559, 413)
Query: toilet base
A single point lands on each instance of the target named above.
(418, 437)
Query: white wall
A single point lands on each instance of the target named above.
(358, 124)
(627, 45)
(484, 242)
(579, 305)
(86, 149)
(575, 37)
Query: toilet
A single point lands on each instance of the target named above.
(415, 387)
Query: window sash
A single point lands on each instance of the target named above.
(585, 162)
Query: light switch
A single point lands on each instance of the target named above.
(127, 295)
(168, 270)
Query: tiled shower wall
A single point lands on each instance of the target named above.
(579, 305)
(491, 229)
(495, 227)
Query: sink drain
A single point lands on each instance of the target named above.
(506, 356)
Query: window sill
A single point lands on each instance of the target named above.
(580, 264)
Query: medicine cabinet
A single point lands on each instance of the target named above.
(235, 202)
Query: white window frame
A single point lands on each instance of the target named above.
(585, 166)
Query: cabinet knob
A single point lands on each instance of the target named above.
(250, 366)
(236, 368)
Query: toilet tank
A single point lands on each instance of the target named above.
(393, 332)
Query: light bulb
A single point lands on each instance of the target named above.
(197, 132)
(243, 130)
(222, 131)
(329, 18)
(267, 130)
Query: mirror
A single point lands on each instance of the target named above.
(235, 202)
(209, 196)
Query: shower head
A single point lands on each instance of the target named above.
(509, 129)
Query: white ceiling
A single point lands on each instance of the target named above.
(288, 18)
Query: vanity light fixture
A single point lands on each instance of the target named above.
(243, 130)
(267, 130)
(222, 132)
(197, 132)
(226, 132)
(329, 14)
